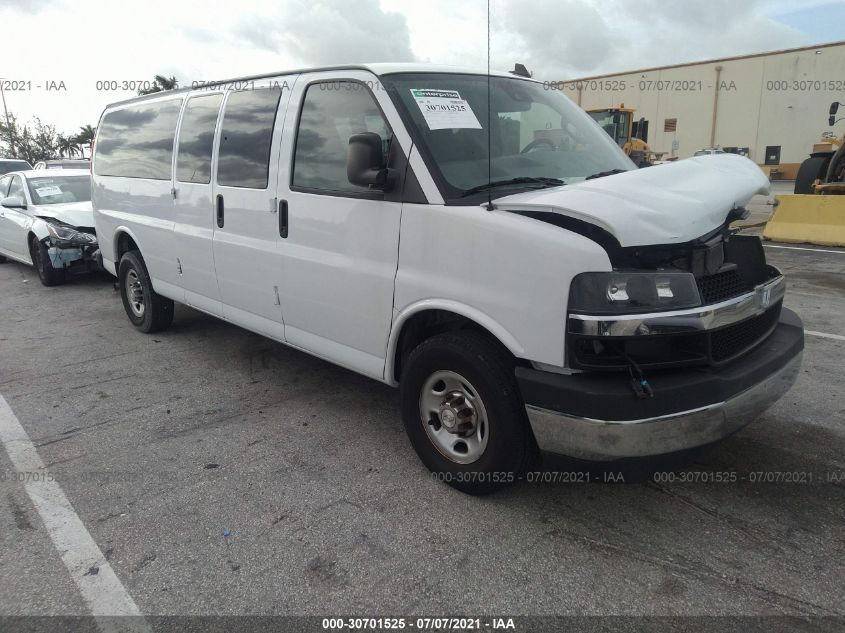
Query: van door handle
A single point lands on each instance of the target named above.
(219, 211)
(283, 218)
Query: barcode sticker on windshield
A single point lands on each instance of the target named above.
(445, 110)
(45, 192)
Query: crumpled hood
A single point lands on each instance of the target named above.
(73, 213)
(665, 204)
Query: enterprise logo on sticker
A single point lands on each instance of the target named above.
(445, 110)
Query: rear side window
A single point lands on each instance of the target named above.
(246, 137)
(137, 141)
(331, 113)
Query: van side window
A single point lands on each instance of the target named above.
(196, 139)
(331, 113)
(4, 185)
(137, 141)
(246, 137)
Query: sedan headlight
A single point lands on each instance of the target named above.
(633, 292)
(70, 235)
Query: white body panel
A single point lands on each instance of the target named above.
(142, 208)
(352, 271)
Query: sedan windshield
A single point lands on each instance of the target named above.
(59, 189)
(538, 137)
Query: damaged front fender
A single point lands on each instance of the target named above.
(67, 247)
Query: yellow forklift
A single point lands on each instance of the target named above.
(630, 136)
(815, 213)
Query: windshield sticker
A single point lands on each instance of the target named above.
(445, 110)
(52, 190)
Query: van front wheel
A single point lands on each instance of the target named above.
(148, 311)
(463, 412)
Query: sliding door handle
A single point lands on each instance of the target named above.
(283, 218)
(219, 211)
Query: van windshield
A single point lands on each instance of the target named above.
(538, 136)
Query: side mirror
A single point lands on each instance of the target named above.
(365, 164)
(13, 202)
(834, 108)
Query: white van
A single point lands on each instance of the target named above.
(552, 296)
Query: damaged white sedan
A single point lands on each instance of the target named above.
(46, 220)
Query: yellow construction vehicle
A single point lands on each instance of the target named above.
(824, 171)
(630, 136)
(815, 213)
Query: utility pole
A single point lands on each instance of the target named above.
(8, 125)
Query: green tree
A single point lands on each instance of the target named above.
(86, 135)
(160, 84)
(85, 138)
(33, 142)
(67, 145)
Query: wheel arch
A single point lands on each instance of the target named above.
(428, 317)
(124, 240)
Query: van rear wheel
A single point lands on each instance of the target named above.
(463, 412)
(147, 310)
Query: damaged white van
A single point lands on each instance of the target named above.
(513, 273)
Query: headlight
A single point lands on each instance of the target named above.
(631, 292)
(68, 234)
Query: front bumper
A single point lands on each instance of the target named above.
(595, 416)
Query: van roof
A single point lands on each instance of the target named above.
(378, 69)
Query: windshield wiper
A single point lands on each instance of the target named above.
(521, 180)
(602, 174)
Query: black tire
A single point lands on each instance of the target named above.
(147, 310)
(812, 169)
(489, 370)
(48, 275)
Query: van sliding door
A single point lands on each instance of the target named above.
(193, 212)
(246, 255)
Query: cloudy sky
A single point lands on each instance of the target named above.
(81, 42)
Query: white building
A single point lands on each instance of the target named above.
(774, 104)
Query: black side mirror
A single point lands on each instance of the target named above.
(365, 163)
(834, 108)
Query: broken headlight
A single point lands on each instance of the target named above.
(66, 235)
(631, 292)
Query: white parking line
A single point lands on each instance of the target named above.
(798, 248)
(97, 582)
(835, 337)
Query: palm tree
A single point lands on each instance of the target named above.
(68, 146)
(84, 138)
(86, 135)
(160, 84)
